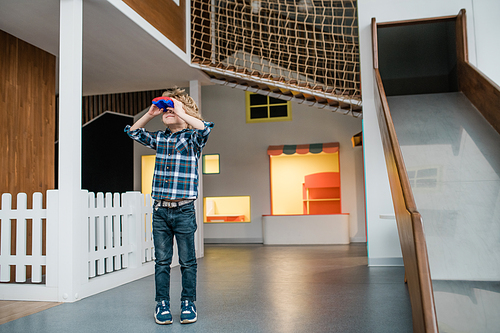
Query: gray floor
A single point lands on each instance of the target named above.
(452, 155)
(252, 288)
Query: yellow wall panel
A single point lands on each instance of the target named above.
(287, 177)
(227, 208)
(211, 164)
(147, 170)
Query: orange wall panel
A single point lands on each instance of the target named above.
(165, 16)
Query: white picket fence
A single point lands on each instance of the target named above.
(116, 228)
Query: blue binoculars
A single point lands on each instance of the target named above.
(163, 103)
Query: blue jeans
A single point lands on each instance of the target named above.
(181, 223)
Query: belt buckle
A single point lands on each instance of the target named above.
(173, 204)
(163, 203)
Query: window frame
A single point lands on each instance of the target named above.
(269, 118)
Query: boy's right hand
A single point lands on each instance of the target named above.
(154, 110)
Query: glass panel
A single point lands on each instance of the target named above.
(256, 99)
(258, 112)
(273, 100)
(278, 111)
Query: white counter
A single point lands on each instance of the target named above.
(305, 229)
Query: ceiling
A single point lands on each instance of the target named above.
(118, 55)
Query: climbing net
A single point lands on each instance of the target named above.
(308, 43)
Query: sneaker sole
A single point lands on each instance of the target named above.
(189, 321)
(167, 322)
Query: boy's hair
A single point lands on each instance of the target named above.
(189, 104)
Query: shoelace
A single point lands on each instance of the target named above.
(186, 308)
(163, 308)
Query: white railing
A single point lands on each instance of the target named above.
(116, 227)
(25, 219)
(108, 233)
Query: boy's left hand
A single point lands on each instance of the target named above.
(178, 108)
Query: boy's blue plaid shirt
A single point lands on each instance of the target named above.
(177, 154)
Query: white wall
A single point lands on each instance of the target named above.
(484, 18)
(244, 163)
(483, 23)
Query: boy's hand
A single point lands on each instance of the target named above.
(178, 108)
(154, 110)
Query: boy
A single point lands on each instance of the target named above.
(175, 187)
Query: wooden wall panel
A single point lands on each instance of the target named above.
(479, 89)
(27, 117)
(27, 125)
(165, 16)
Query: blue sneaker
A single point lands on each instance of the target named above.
(162, 313)
(188, 312)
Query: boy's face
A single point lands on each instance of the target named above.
(172, 121)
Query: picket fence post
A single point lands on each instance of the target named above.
(133, 200)
(52, 239)
(82, 247)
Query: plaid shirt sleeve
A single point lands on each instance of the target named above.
(200, 137)
(142, 136)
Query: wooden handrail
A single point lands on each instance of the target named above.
(374, 43)
(417, 21)
(409, 220)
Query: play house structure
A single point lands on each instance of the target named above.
(60, 241)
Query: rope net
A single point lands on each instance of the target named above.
(311, 44)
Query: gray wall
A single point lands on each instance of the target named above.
(244, 163)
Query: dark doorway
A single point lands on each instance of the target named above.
(107, 154)
(418, 58)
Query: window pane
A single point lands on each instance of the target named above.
(278, 111)
(273, 100)
(211, 164)
(256, 99)
(258, 113)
